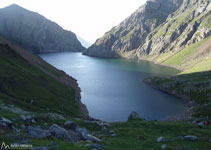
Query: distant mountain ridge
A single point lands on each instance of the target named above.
(164, 31)
(35, 33)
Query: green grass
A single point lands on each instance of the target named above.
(203, 65)
(180, 57)
(23, 82)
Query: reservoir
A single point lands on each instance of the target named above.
(113, 88)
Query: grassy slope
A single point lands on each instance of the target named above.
(181, 56)
(22, 82)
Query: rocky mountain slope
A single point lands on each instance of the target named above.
(31, 83)
(35, 33)
(157, 31)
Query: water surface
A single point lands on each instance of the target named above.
(113, 88)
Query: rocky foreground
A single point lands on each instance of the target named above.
(51, 131)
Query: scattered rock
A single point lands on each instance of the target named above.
(57, 131)
(99, 123)
(23, 117)
(33, 121)
(13, 109)
(190, 138)
(111, 132)
(161, 139)
(97, 146)
(91, 138)
(163, 146)
(87, 145)
(5, 123)
(70, 125)
(133, 115)
(38, 132)
(55, 116)
(113, 135)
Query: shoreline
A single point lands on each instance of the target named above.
(188, 102)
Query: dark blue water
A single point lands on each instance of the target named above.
(113, 88)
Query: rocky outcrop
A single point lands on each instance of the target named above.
(35, 33)
(157, 28)
(188, 25)
(133, 31)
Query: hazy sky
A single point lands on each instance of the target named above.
(89, 19)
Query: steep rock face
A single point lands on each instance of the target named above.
(132, 32)
(35, 33)
(191, 23)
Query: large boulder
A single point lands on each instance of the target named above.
(133, 115)
(72, 136)
(70, 125)
(57, 131)
(38, 132)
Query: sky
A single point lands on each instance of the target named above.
(89, 19)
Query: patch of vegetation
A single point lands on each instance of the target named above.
(180, 57)
(21, 82)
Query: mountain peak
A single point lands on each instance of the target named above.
(14, 6)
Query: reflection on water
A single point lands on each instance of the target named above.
(112, 88)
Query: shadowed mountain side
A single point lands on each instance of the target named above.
(25, 77)
(35, 33)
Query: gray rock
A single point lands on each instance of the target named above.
(161, 139)
(33, 121)
(163, 146)
(111, 132)
(91, 138)
(57, 131)
(13, 109)
(113, 135)
(83, 131)
(190, 138)
(103, 124)
(38, 132)
(70, 125)
(55, 116)
(5, 123)
(72, 136)
(86, 136)
(23, 117)
(97, 146)
(133, 115)
(88, 145)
